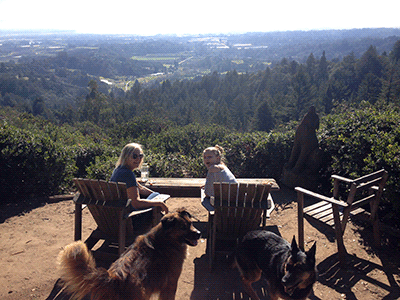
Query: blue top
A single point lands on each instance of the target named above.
(123, 174)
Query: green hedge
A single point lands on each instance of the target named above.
(32, 164)
(40, 158)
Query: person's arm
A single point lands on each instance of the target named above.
(137, 203)
(216, 168)
(143, 190)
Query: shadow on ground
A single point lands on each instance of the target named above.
(344, 279)
(224, 281)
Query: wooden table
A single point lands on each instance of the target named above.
(190, 187)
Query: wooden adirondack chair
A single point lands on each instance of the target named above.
(334, 212)
(108, 203)
(238, 209)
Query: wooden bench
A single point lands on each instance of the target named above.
(110, 207)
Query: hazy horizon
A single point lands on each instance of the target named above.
(180, 18)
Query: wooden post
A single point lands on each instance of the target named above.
(78, 221)
(122, 232)
(339, 235)
(300, 219)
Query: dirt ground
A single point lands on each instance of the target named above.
(30, 242)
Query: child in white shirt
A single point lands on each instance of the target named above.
(217, 172)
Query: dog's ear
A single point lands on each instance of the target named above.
(168, 221)
(295, 249)
(311, 253)
(184, 213)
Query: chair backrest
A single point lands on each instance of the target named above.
(106, 202)
(239, 208)
(363, 189)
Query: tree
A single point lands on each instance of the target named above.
(263, 119)
(302, 92)
(370, 63)
(395, 54)
(370, 88)
(38, 107)
(343, 84)
(94, 87)
(322, 74)
(311, 67)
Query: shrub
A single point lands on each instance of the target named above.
(102, 167)
(360, 141)
(258, 154)
(32, 164)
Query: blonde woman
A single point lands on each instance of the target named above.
(131, 158)
(217, 172)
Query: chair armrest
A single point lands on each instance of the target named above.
(321, 197)
(76, 197)
(342, 178)
(138, 212)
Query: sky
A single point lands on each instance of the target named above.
(151, 17)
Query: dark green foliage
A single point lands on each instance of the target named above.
(360, 141)
(31, 164)
(259, 154)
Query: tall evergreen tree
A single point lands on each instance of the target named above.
(263, 119)
(302, 92)
(322, 74)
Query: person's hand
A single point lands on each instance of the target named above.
(164, 208)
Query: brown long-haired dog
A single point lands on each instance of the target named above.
(151, 265)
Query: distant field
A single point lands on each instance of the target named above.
(154, 58)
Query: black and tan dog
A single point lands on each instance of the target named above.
(151, 265)
(290, 272)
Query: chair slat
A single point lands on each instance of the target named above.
(251, 193)
(114, 193)
(367, 185)
(241, 198)
(371, 176)
(123, 195)
(96, 191)
(363, 201)
(105, 187)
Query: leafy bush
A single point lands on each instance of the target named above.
(102, 167)
(360, 141)
(32, 164)
(188, 140)
(259, 154)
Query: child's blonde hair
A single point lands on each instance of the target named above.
(127, 152)
(218, 151)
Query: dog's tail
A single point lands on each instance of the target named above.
(78, 270)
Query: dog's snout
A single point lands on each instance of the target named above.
(196, 233)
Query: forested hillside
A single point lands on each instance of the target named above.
(66, 87)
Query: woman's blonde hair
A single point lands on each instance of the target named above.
(217, 150)
(127, 152)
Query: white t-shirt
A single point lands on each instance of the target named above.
(225, 175)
